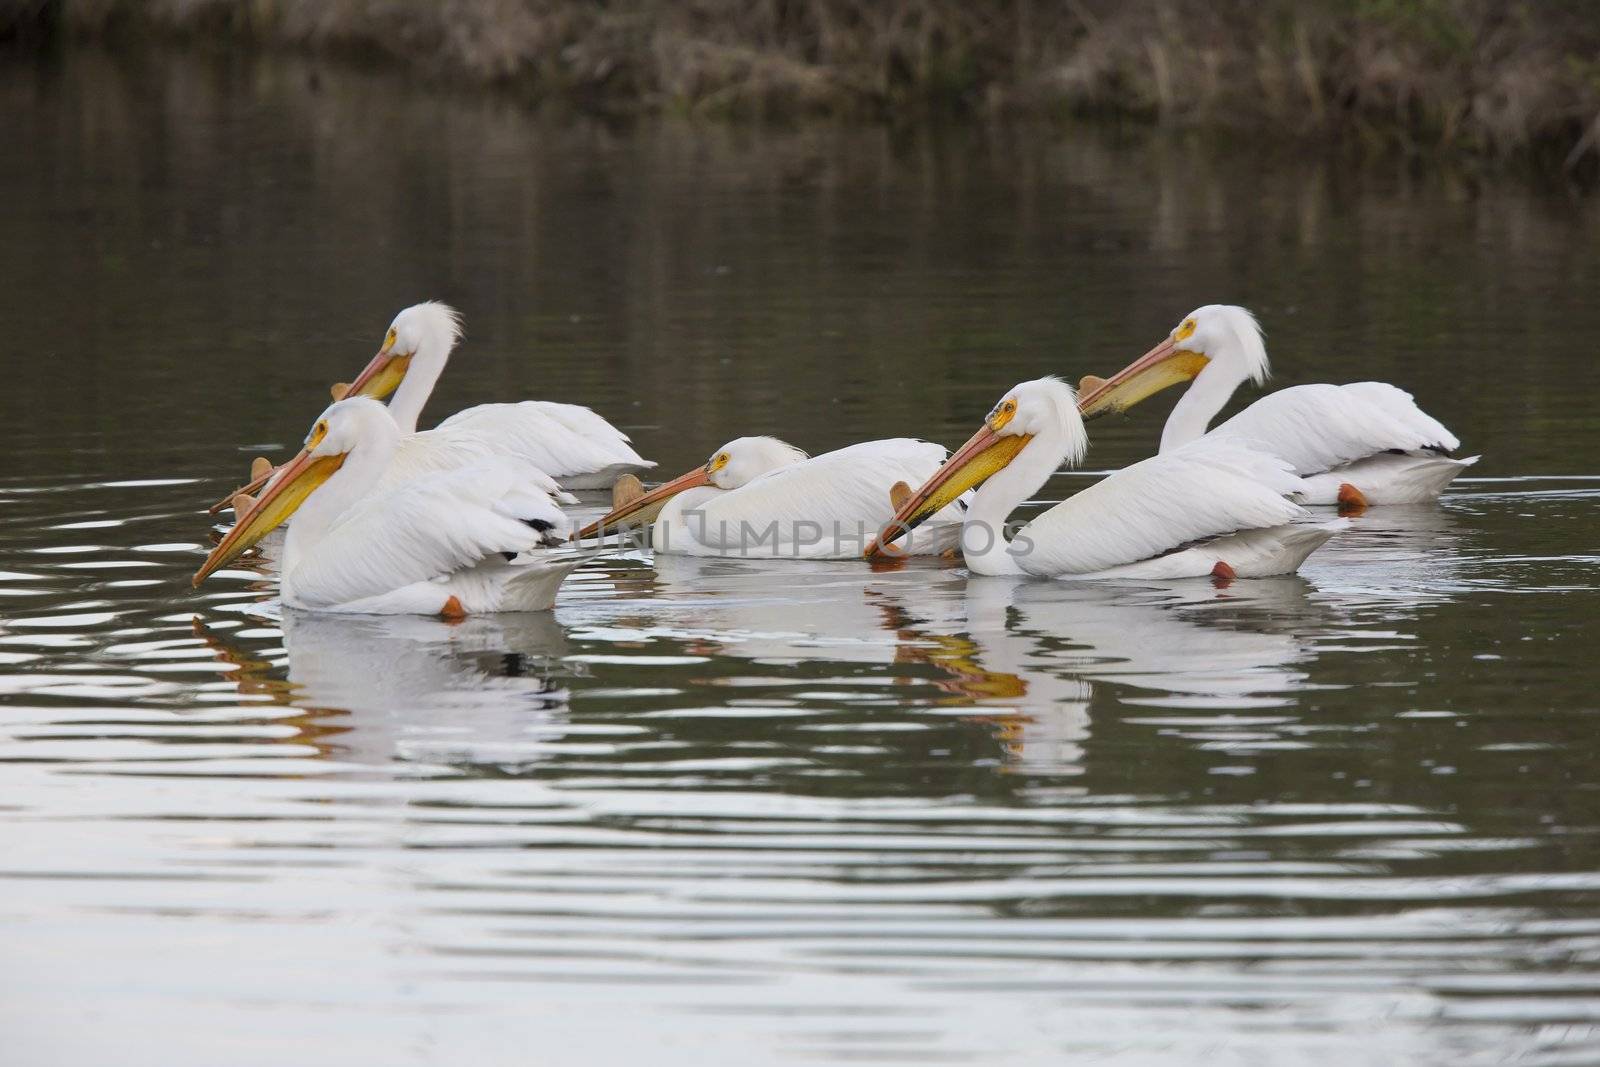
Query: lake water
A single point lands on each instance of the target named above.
(722, 812)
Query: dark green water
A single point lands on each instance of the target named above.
(729, 812)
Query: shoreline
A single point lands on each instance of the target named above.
(1492, 80)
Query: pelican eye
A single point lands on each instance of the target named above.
(389, 338)
(1184, 331)
(1003, 413)
(318, 432)
(718, 461)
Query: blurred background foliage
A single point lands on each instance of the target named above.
(1492, 77)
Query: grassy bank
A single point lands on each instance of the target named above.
(1496, 77)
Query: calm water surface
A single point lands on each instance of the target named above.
(727, 812)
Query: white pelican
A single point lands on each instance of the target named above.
(1355, 445)
(758, 496)
(568, 443)
(453, 543)
(1222, 510)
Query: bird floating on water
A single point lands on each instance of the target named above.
(1355, 445)
(763, 498)
(1224, 510)
(465, 518)
(466, 541)
(566, 443)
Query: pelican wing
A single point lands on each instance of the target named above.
(436, 451)
(427, 529)
(565, 441)
(583, 421)
(1157, 505)
(845, 493)
(1320, 427)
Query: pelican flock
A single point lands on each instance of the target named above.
(466, 518)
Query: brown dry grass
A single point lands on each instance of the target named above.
(1491, 76)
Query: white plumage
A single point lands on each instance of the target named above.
(437, 451)
(571, 444)
(1387, 478)
(826, 507)
(758, 496)
(465, 541)
(449, 531)
(1150, 508)
(558, 444)
(1175, 515)
(1370, 436)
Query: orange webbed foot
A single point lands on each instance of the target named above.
(1222, 575)
(452, 610)
(1352, 501)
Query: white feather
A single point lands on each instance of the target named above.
(428, 529)
(1320, 427)
(1341, 432)
(828, 506)
(578, 419)
(571, 444)
(450, 534)
(1257, 553)
(433, 452)
(1387, 479)
(1158, 505)
(1146, 518)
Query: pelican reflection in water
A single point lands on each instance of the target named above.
(1031, 653)
(1035, 652)
(1028, 659)
(380, 689)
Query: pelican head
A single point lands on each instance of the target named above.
(1043, 408)
(1222, 337)
(338, 431)
(426, 332)
(744, 459)
(737, 463)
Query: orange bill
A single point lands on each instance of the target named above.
(298, 479)
(382, 375)
(1164, 365)
(985, 453)
(644, 509)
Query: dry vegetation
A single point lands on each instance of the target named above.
(1492, 76)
